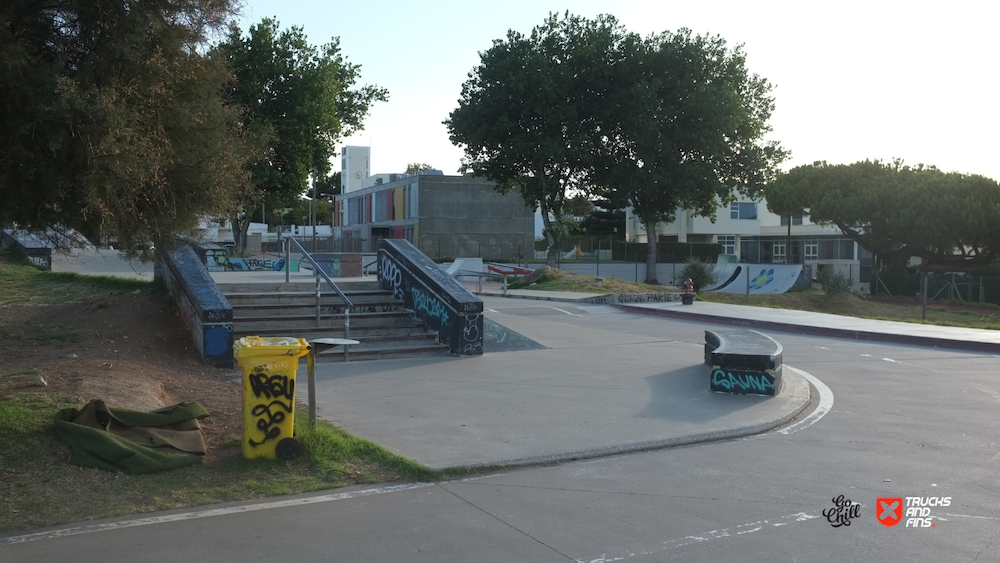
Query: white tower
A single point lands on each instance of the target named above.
(355, 166)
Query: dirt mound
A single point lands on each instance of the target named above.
(130, 350)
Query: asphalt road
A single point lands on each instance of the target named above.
(904, 422)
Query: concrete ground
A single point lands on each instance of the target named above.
(591, 391)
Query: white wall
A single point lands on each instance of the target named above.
(355, 167)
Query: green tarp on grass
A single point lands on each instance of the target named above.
(133, 441)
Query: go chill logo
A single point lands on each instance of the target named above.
(889, 511)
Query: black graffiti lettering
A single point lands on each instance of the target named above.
(268, 420)
(271, 387)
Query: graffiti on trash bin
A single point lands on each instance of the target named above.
(281, 389)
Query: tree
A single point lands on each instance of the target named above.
(526, 116)
(299, 100)
(951, 221)
(113, 120)
(605, 220)
(303, 208)
(415, 167)
(685, 130)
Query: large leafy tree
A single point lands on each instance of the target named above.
(113, 120)
(951, 221)
(299, 100)
(527, 114)
(685, 129)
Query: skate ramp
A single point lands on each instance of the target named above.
(764, 278)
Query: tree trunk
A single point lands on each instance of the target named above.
(552, 231)
(240, 230)
(551, 238)
(652, 249)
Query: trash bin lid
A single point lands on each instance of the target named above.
(270, 346)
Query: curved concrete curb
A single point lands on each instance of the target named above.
(914, 340)
(795, 385)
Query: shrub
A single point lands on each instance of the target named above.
(701, 273)
(834, 283)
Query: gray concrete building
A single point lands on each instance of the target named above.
(443, 216)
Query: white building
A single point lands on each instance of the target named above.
(747, 230)
(355, 168)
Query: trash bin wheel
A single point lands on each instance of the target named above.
(288, 449)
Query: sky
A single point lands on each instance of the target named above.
(852, 80)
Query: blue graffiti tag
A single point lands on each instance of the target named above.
(757, 383)
(430, 306)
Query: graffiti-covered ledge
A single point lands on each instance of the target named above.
(744, 362)
(206, 312)
(434, 296)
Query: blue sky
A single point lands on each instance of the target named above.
(854, 80)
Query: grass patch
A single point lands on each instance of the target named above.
(814, 299)
(22, 282)
(333, 453)
(854, 305)
(21, 376)
(38, 487)
(558, 280)
(40, 334)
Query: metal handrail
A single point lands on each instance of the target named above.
(348, 304)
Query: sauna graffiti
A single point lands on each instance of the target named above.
(743, 383)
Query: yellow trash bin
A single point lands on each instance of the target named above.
(269, 365)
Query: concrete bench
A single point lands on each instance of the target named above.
(743, 362)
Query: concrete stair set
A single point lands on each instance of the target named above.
(384, 328)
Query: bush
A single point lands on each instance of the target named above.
(834, 283)
(701, 273)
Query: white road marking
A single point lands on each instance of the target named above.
(970, 516)
(889, 360)
(208, 513)
(708, 536)
(567, 312)
(825, 403)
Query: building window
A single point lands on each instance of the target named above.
(728, 243)
(795, 220)
(779, 252)
(811, 250)
(743, 210)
